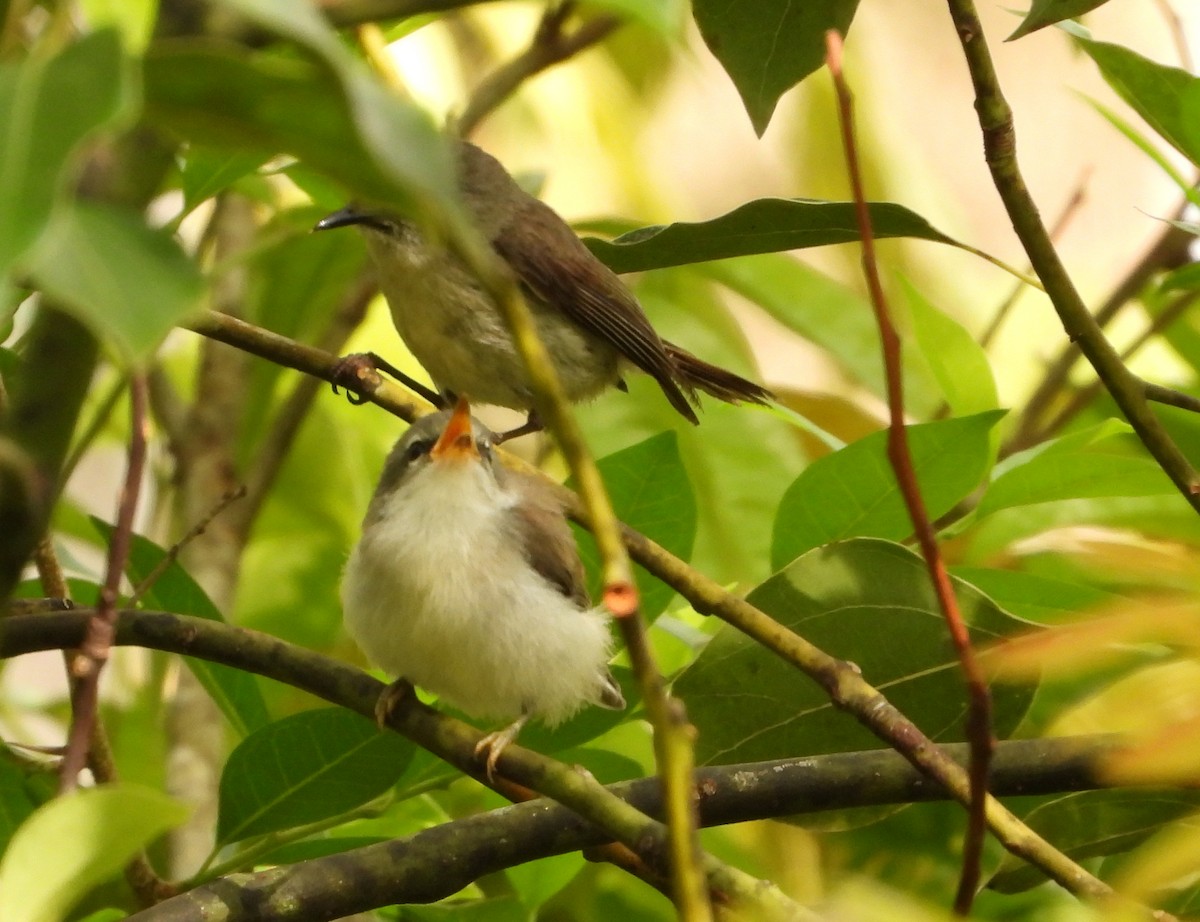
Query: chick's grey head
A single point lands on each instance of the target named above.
(439, 438)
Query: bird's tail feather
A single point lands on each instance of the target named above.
(697, 374)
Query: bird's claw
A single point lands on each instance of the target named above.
(495, 743)
(389, 699)
(358, 373)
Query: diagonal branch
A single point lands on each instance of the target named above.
(1000, 151)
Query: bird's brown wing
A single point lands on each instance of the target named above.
(589, 293)
(550, 549)
(546, 539)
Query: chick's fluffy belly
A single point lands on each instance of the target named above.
(439, 592)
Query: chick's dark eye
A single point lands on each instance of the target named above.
(485, 449)
(417, 449)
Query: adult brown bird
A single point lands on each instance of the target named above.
(593, 327)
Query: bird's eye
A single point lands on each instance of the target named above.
(417, 449)
(485, 449)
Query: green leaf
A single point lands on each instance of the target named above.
(19, 797)
(1150, 148)
(769, 46)
(957, 362)
(1090, 824)
(398, 136)
(308, 767)
(48, 106)
(828, 314)
(105, 915)
(537, 881)
(1047, 12)
(1098, 462)
(235, 692)
(1032, 597)
(866, 601)
(128, 282)
(768, 225)
(1168, 98)
(854, 491)
(76, 842)
(204, 173)
(306, 850)
(372, 142)
(495, 909)
(665, 17)
(1185, 278)
(650, 492)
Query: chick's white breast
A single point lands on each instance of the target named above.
(439, 592)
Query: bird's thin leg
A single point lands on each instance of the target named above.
(533, 423)
(352, 370)
(495, 743)
(389, 699)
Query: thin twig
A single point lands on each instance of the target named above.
(1085, 395)
(1172, 398)
(273, 451)
(175, 549)
(374, 47)
(1178, 33)
(94, 427)
(88, 662)
(672, 737)
(1169, 250)
(845, 686)
(979, 711)
(550, 45)
(1060, 223)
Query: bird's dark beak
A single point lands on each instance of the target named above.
(457, 442)
(344, 217)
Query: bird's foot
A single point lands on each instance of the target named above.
(533, 423)
(358, 373)
(390, 699)
(495, 743)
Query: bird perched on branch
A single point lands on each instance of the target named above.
(591, 324)
(467, 582)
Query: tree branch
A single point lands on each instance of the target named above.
(1000, 151)
(550, 45)
(400, 871)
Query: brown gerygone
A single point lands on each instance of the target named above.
(592, 326)
(467, 582)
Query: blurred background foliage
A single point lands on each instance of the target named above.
(158, 159)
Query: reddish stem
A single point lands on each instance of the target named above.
(979, 718)
(89, 660)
